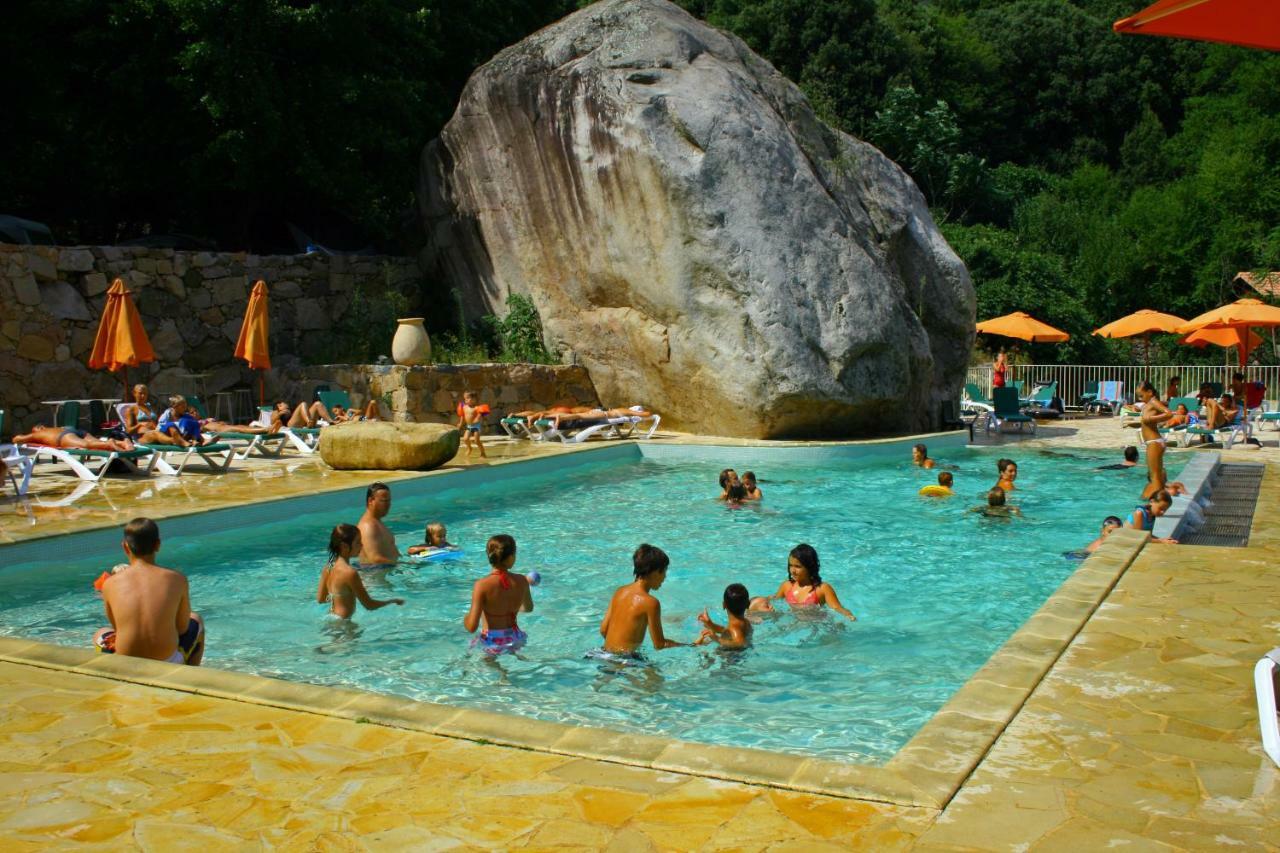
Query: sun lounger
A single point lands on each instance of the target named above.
(18, 463)
(515, 427)
(576, 431)
(974, 400)
(268, 445)
(1228, 434)
(92, 464)
(305, 440)
(1007, 411)
(217, 457)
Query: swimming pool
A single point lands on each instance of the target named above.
(937, 589)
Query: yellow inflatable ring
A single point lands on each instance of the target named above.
(936, 492)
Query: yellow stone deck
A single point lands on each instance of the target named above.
(1143, 734)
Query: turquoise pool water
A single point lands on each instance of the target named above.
(936, 590)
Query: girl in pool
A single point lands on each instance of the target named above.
(804, 586)
(497, 598)
(1008, 473)
(340, 584)
(1154, 413)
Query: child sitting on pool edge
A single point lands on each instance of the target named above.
(435, 540)
(737, 633)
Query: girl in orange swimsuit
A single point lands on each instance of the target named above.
(804, 586)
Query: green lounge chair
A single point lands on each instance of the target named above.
(1181, 434)
(268, 445)
(1007, 410)
(974, 400)
(1090, 395)
(1042, 396)
(217, 457)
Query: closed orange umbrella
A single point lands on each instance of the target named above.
(121, 342)
(252, 344)
(1239, 316)
(1244, 340)
(1146, 323)
(1252, 23)
(1023, 327)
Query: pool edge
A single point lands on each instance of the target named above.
(925, 772)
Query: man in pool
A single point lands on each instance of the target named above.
(149, 606)
(1130, 461)
(379, 546)
(633, 610)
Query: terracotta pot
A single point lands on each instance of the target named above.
(411, 345)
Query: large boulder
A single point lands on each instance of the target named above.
(693, 234)
(387, 445)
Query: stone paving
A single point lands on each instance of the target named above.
(1142, 735)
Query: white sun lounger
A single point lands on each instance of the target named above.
(19, 464)
(217, 457)
(623, 426)
(92, 464)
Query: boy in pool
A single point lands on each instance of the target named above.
(749, 483)
(943, 489)
(735, 495)
(996, 506)
(471, 421)
(435, 541)
(1109, 524)
(920, 457)
(633, 610)
(737, 633)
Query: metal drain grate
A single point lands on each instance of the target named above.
(1235, 498)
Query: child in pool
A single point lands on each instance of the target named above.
(497, 598)
(1109, 524)
(945, 481)
(749, 483)
(340, 583)
(634, 610)
(1144, 517)
(436, 540)
(996, 507)
(737, 633)
(735, 495)
(804, 586)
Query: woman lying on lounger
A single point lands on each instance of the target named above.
(581, 413)
(310, 416)
(71, 438)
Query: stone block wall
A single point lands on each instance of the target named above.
(431, 393)
(192, 305)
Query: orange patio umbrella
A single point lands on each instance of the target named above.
(1023, 327)
(252, 344)
(1252, 23)
(121, 342)
(1146, 323)
(1239, 316)
(1244, 340)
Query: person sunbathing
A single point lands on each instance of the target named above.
(343, 415)
(71, 438)
(140, 417)
(1220, 413)
(1180, 417)
(177, 427)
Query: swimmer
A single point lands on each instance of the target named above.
(735, 495)
(634, 609)
(920, 457)
(996, 507)
(435, 540)
(379, 545)
(1109, 524)
(497, 598)
(1154, 413)
(1130, 461)
(804, 586)
(737, 633)
(471, 422)
(1008, 473)
(942, 489)
(340, 584)
(749, 483)
(1144, 516)
(727, 478)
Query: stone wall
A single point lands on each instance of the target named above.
(192, 305)
(431, 393)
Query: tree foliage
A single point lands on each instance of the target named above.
(1079, 173)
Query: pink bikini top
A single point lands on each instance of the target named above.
(792, 598)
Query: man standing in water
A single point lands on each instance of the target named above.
(379, 546)
(633, 608)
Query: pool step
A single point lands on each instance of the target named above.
(1235, 499)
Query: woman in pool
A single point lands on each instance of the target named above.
(340, 583)
(497, 598)
(804, 586)
(1154, 413)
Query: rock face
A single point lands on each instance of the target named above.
(384, 445)
(691, 232)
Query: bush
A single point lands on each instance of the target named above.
(520, 332)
